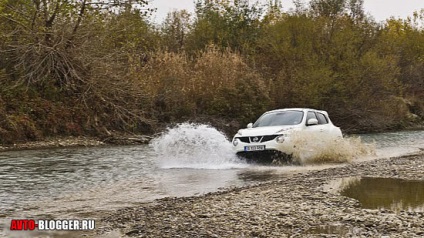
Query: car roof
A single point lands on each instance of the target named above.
(296, 109)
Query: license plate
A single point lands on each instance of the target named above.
(254, 148)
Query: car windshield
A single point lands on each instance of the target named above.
(280, 119)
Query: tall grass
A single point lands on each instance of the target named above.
(216, 83)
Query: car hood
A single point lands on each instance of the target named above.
(265, 130)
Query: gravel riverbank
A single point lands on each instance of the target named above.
(299, 206)
(79, 141)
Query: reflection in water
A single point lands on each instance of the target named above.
(388, 193)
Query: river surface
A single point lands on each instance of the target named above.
(188, 160)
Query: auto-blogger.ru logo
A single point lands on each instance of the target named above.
(58, 225)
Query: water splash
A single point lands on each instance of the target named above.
(195, 146)
(321, 148)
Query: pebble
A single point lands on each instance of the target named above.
(295, 207)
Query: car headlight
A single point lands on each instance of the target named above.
(235, 142)
(280, 139)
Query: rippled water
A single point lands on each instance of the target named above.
(188, 160)
(396, 143)
(34, 175)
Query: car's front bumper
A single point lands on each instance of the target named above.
(266, 156)
(272, 148)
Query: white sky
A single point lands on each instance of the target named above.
(379, 9)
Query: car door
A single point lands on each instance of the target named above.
(323, 123)
(321, 127)
(328, 127)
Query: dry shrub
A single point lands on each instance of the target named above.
(226, 86)
(112, 97)
(375, 114)
(18, 127)
(37, 63)
(167, 81)
(416, 106)
(215, 83)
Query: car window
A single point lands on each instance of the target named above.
(322, 119)
(310, 115)
(280, 119)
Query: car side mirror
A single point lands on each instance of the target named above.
(312, 122)
(250, 125)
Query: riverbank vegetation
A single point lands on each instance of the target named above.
(95, 68)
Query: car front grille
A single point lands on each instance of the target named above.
(268, 138)
(267, 156)
(256, 139)
(244, 139)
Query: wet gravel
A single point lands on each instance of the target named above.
(56, 142)
(298, 206)
(79, 141)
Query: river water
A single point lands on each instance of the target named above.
(187, 160)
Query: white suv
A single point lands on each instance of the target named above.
(270, 135)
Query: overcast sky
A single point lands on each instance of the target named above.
(379, 9)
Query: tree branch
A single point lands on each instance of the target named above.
(77, 24)
(37, 10)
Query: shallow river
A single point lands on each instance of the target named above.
(84, 182)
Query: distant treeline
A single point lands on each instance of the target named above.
(95, 67)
